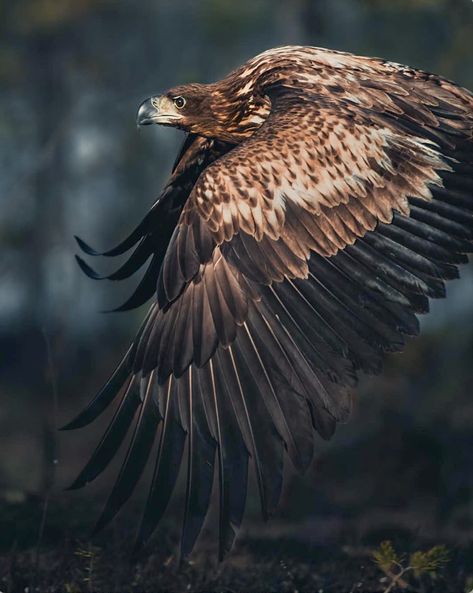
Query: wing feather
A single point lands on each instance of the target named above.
(113, 436)
(282, 267)
(171, 449)
(200, 468)
(136, 457)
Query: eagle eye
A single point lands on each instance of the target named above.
(179, 102)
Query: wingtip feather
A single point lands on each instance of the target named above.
(88, 271)
(85, 247)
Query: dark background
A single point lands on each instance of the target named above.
(72, 73)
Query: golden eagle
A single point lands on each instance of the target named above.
(319, 199)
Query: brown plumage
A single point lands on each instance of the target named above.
(319, 199)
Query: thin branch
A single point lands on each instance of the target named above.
(53, 461)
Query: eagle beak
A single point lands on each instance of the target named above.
(146, 113)
(157, 110)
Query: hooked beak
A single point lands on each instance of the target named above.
(157, 110)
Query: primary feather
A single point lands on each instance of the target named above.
(319, 199)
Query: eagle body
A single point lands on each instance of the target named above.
(319, 200)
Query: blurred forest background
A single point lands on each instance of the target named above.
(72, 73)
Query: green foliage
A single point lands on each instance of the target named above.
(420, 563)
(386, 557)
(90, 556)
(429, 562)
(469, 584)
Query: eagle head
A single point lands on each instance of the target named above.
(206, 109)
(181, 107)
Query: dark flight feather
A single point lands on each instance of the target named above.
(200, 467)
(136, 457)
(113, 437)
(171, 448)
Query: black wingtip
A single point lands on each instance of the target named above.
(88, 271)
(143, 292)
(79, 421)
(180, 562)
(104, 397)
(83, 246)
(72, 425)
(99, 526)
(185, 550)
(121, 309)
(226, 546)
(142, 538)
(83, 419)
(77, 484)
(137, 548)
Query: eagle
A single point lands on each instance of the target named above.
(319, 200)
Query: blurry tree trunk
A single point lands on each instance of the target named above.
(301, 21)
(48, 98)
(458, 54)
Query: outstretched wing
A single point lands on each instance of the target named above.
(299, 258)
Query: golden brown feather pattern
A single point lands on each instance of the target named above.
(345, 171)
(319, 199)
